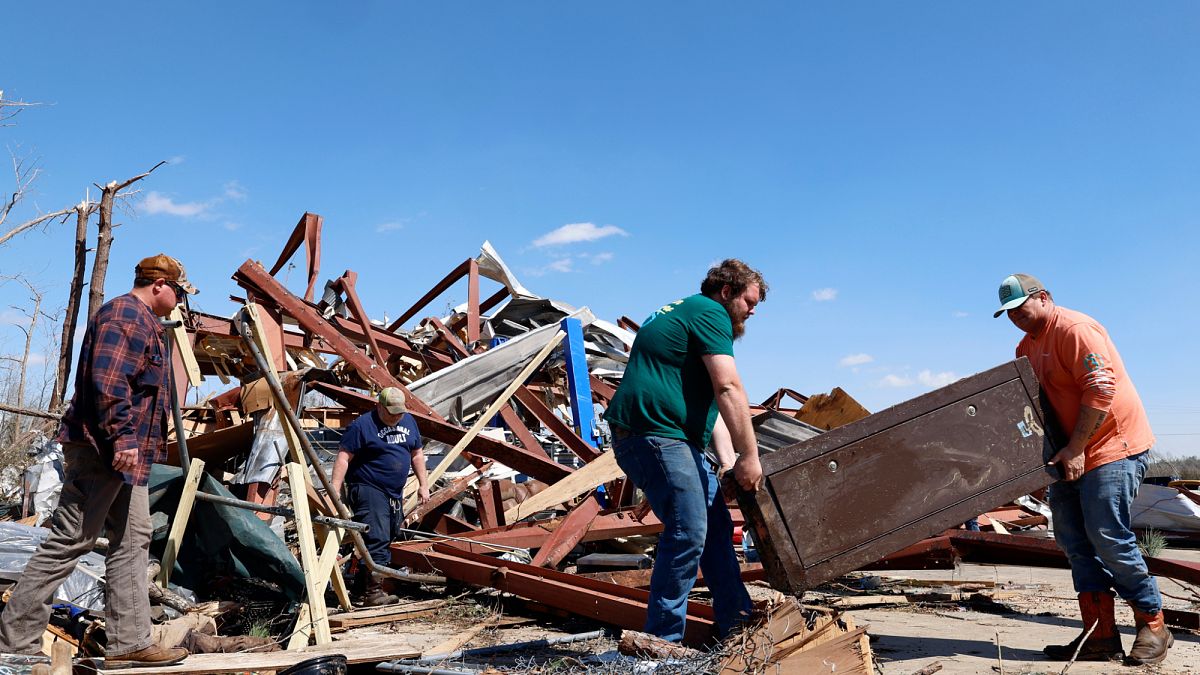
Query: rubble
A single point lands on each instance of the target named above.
(527, 502)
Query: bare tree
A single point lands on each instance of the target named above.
(83, 212)
(104, 239)
(35, 296)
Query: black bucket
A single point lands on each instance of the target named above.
(334, 664)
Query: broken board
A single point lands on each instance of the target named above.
(848, 497)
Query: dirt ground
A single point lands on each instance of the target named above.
(904, 639)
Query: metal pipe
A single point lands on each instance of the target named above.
(400, 667)
(511, 647)
(360, 546)
(180, 437)
(279, 511)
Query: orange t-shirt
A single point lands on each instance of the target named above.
(1077, 364)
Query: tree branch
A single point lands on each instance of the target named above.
(34, 223)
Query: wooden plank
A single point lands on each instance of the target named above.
(388, 614)
(260, 335)
(411, 487)
(832, 410)
(314, 581)
(179, 525)
(180, 336)
(370, 649)
(601, 470)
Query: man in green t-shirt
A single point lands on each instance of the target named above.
(681, 373)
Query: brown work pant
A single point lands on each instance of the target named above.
(94, 497)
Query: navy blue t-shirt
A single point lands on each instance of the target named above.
(380, 456)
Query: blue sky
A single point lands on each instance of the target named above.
(884, 164)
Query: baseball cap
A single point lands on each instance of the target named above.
(163, 266)
(1015, 290)
(392, 400)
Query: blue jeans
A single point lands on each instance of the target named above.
(373, 507)
(1092, 525)
(697, 533)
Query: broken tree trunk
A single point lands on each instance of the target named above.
(108, 195)
(83, 212)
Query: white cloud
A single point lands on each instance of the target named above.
(233, 227)
(825, 294)
(895, 381)
(156, 203)
(560, 265)
(177, 159)
(960, 315)
(855, 360)
(601, 258)
(577, 232)
(932, 379)
(390, 226)
(235, 191)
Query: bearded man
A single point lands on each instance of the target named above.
(681, 372)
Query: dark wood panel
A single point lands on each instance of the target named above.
(853, 495)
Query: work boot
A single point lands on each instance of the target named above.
(375, 596)
(1104, 644)
(1152, 641)
(154, 655)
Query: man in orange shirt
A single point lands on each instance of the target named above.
(1103, 463)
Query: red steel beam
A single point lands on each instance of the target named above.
(346, 283)
(489, 505)
(441, 496)
(457, 273)
(533, 463)
(564, 433)
(604, 602)
(569, 533)
(252, 275)
(522, 432)
(308, 231)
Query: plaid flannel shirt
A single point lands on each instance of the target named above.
(121, 387)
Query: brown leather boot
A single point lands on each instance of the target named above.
(375, 596)
(1152, 641)
(1104, 644)
(154, 655)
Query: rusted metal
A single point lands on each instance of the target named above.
(556, 426)
(533, 463)
(252, 275)
(513, 421)
(850, 496)
(462, 270)
(489, 505)
(569, 532)
(441, 496)
(774, 401)
(607, 603)
(346, 284)
(628, 324)
(308, 232)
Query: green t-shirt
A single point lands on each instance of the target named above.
(666, 390)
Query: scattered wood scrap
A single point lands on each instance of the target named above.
(799, 639)
(386, 614)
(356, 650)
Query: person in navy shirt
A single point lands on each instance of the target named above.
(374, 458)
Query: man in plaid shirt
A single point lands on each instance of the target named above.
(111, 434)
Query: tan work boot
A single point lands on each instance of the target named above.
(1104, 644)
(154, 655)
(1152, 641)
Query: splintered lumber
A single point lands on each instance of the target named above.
(387, 614)
(846, 653)
(832, 410)
(443, 495)
(372, 649)
(647, 646)
(601, 470)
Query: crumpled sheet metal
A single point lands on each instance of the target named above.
(85, 586)
(479, 379)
